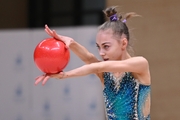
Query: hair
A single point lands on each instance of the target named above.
(118, 26)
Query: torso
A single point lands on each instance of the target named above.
(126, 98)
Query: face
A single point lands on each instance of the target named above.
(109, 46)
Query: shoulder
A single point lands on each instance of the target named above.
(138, 65)
(144, 76)
(144, 60)
(140, 58)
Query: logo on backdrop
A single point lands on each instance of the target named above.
(67, 92)
(92, 108)
(46, 107)
(93, 105)
(18, 62)
(92, 42)
(18, 93)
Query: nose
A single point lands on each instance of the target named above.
(101, 53)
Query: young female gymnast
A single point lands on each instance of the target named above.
(126, 80)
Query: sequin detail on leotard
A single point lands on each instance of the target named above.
(125, 101)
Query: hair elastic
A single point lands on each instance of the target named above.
(114, 17)
(124, 21)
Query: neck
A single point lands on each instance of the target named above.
(125, 56)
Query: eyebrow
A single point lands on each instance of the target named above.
(103, 43)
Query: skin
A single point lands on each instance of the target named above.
(113, 51)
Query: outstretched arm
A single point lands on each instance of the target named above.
(78, 49)
(137, 65)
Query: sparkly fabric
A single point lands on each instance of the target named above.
(124, 100)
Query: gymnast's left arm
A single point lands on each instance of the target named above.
(134, 64)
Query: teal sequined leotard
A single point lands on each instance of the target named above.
(125, 98)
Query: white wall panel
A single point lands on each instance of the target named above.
(70, 99)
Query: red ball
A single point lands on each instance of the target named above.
(51, 55)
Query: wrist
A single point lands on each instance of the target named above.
(72, 42)
(61, 75)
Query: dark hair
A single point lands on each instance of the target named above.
(118, 26)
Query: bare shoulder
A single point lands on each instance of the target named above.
(144, 77)
(141, 59)
(142, 62)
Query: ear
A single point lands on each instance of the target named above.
(124, 43)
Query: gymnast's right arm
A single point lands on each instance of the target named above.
(82, 53)
(78, 49)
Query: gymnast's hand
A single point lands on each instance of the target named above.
(65, 39)
(45, 77)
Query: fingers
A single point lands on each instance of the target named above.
(62, 38)
(52, 33)
(45, 80)
(48, 32)
(59, 37)
(46, 27)
(56, 35)
(39, 79)
(46, 77)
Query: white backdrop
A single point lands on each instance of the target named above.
(70, 99)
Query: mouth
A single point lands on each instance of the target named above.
(105, 59)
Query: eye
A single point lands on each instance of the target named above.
(106, 46)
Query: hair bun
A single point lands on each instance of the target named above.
(111, 13)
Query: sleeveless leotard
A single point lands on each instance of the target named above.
(125, 98)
